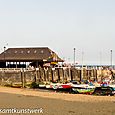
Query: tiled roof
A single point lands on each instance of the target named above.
(29, 54)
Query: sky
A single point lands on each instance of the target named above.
(62, 25)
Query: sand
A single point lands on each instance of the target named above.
(54, 103)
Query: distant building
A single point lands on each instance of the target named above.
(21, 57)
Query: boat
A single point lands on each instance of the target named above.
(60, 87)
(54, 85)
(104, 91)
(48, 86)
(83, 88)
(113, 86)
(42, 86)
(65, 86)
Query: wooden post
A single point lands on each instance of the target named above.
(44, 70)
(35, 76)
(71, 74)
(40, 79)
(62, 75)
(22, 78)
(52, 72)
(58, 74)
(69, 71)
(80, 75)
(52, 75)
(96, 74)
(36, 71)
(47, 74)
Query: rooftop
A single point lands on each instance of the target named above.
(29, 54)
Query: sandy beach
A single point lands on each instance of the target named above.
(54, 103)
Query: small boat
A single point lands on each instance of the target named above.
(54, 85)
(48, 86)
(42, 86)
(65, 86)
(60, 86)
(112, 85)
(104, 91)
(83, 90)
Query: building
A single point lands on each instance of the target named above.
(22, 57)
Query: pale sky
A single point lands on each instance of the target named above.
(61, 25)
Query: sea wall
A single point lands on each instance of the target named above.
(22, 77)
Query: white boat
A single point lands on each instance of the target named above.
(48, 86)
(82, 86)
(42, 85)
(112, 85)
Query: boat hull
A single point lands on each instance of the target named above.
(83, 90)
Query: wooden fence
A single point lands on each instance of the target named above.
(24, 77)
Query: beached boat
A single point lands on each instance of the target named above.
(60, 86)
(42, 86)
(104, 91)
(65, 86)
(82, 86)
(82, 90)
(54, 85)
(112, 85)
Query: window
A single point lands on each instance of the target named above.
(15, 52)
(35, 51)
(22, 52)
(42, 51)
(28, 51)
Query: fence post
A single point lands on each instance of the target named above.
(80, 75)
(22, 78)
(47, 74)
(44, 73)
(58, 72)
(63, 75)
(40, 78)
(52, 73)
(37, 76)
(71, 74)
(96, 74)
